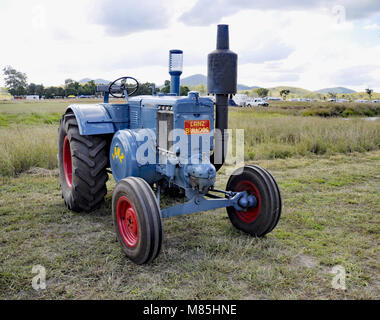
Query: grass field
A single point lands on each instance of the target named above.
(41, 106)
(328, 173)
(330, 217)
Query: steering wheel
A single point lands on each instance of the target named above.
(124, 87)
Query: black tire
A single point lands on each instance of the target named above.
(277, 195)
(87, 160)
(137, 220)
(263, 218)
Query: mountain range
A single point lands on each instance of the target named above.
(197, 79)
(336, 90)
(97, 81)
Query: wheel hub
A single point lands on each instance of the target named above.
(67, 164)
(127, 222)
(253, 204)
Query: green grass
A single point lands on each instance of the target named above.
(26, 139)
(276, 108)
(42, 106)
(7, 119)
(330, 216)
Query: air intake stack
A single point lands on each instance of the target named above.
(221, 81)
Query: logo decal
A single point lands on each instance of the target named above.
(197, 126)
(117, 154)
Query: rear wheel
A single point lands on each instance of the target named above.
(261, 219)
(82, 164)
(137, 220)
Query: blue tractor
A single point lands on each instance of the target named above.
(166, 143)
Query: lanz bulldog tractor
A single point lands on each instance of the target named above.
(165, 142)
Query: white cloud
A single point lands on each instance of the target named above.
(305, 48)
(372, 26)
(123, 17)
(207, 12)
(355, 76)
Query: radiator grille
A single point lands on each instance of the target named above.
(165, 124)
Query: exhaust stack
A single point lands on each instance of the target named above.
(221, 81)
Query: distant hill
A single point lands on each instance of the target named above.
(194, 80)
(244, 87)
(336, 90)
(294, 92)
(197, 79)
(97, 81)
(275, 92)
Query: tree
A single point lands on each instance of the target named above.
(262, 92)
(166, 87)
(87, 89)
(50, 92)
(39, 90)
(332, 95)
(15, 81)
(145, 88)
(31, 89)
(68, 82)
(369, 92)
(284, 93)
(71, 87)
(184, 90)
(201, 88)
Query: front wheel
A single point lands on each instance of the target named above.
(261, 219)
(137, 220)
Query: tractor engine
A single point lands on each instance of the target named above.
(170, 139)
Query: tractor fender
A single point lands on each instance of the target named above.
(95, 119)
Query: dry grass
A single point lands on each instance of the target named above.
(266, 137)
(23, 147)
(283, 137)
(330, 217)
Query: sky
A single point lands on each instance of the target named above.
(311, 44)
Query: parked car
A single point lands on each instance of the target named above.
(240, 99)
(251, 102)
(232, 103)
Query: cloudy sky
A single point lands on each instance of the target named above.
(311, 44)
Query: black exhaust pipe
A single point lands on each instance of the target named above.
(221, 81)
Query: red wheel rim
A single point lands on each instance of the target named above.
(67, 165)
(252, 213)
(127, 222)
